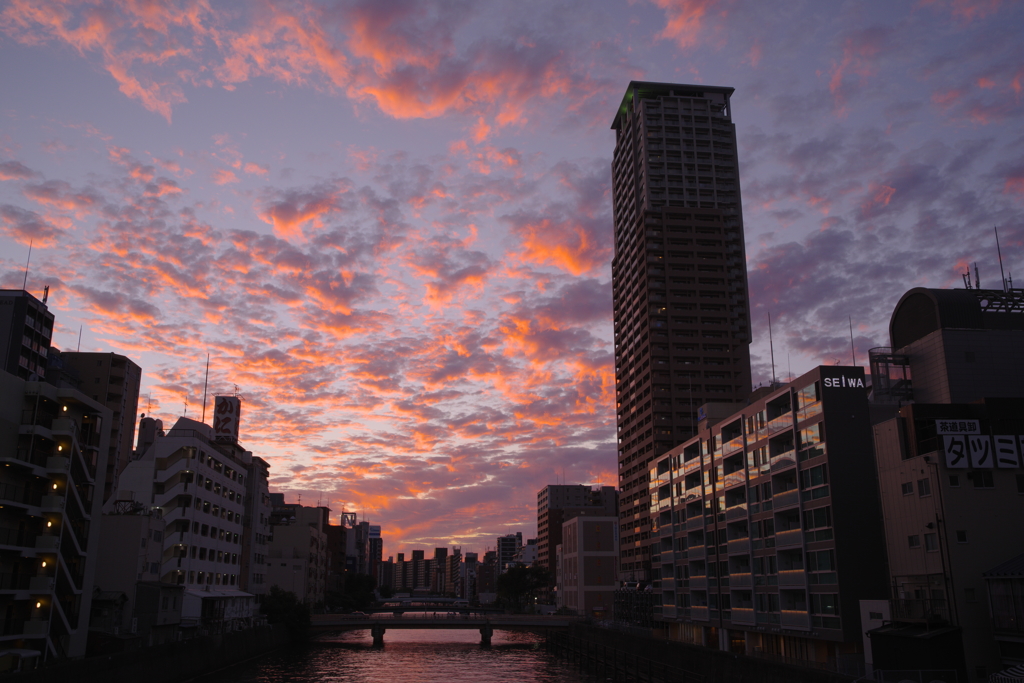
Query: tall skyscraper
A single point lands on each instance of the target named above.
(679, 280)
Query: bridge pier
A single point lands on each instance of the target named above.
(377, 631)
(486, 631)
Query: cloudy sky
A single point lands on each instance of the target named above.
(389, 222)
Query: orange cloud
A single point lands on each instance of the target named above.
(685, 20)
(222, 176)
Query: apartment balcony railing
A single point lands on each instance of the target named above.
(790, 538)
(923, 610)
(796, 619)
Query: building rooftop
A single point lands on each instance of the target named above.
(650, 89)
(921, 311)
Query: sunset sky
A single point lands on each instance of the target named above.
(389, 222)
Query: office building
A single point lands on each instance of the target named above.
(297, 550)
(506, 550)
(558, 503)
(374, 551)
(768, 526)
(114, 381)
(256, 529)
(588, 556)
(26, 328)
(951, 478)
(453, 574)
(53, 446)
(681, 311)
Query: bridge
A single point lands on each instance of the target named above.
(378, 624)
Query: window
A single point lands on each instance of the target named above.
(875, 616)
(924, 487)
(914, 541)
(908, 488)
(983, 479)
(961, 536)
(931, 542)
(954, 480)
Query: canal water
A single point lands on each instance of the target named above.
(409, 657)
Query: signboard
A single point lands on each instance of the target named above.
(227, 413)
(983, 452)
(957, 427)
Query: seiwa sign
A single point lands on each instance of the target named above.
(841, 382)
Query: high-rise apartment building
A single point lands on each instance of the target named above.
(558, 503)
(679, 281)
(507, 548)
(53, 446)
(26, 326)
(114, 381)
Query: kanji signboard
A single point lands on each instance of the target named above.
(227, 413)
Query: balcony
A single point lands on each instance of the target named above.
(733, 445)
(791, 538)
(47, 542)
(699, 613)
(740, 580)
(694, 523)
(735, 478)
(925, 611)
(738, 511)
(58, 464)
(40, 584)
(696, 553)
(698, 582)
(796, 620)
(792, 577)
(743, 616)
(668, 611)
(781, 423)
(786, 499)
(783, 461)
(739, 546)
(52, 503)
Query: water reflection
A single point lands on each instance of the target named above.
(409, 656)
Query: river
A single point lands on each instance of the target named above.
(409, 657)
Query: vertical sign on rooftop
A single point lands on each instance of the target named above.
(227, 413)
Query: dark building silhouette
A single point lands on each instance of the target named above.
(26, 327)
(679, 279)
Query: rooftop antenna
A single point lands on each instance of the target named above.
(999, 252)
(771, 346)
(46, 293)
(977, 278)
(206, 383)
(967, 278)
(186, 405)
(79, 338)
(789, 362)
(24, 283)
(149, 402)
(853, 349)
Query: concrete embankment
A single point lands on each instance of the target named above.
(168, 663)
(628, 657)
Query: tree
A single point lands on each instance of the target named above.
(517, 585)
(284, 607)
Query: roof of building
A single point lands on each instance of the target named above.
(921, 311)
(1010, 569)
(649, 88)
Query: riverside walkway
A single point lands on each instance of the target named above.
(379, 623)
